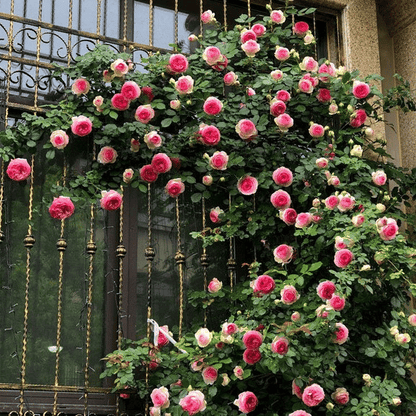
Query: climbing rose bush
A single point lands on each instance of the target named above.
(284, 149)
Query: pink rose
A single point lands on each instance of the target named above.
(333, 109)
(210, 375)
(246, 402)
(147, 91)
(313, 395)
(282, 54)
(134, 145)
(280, 199)
(107, 76)
(144, 113)
(18, 169)
(148, 174)
(280, 345)
(198, 365)
(289, 295)
(161, 163)
(175, 187)
(331, 202)
(98, 101)
(326, 290)
(193, 402)
(304, 219)
(252, 339)
(334, 181)
(214, 285)
(207, 180)
(229, 328)
(152, 140)
(210, 135)
(283, 253)
(230, 78)
(296, 390)
(212, 106)
(219, 160)
(309, 64)
(221, 65)
(389, 232)
(208, 17)
(246, 129)
(346, 202)
(283, 176)
(337, 303)
(325, 70)
(295, 316)
(178, 63)
(277, 16)
(379, 177)
(264, 285)
(212, 55)
(203, 337)
(59, 139)
(107, 155)
(251, 47)
(358, 220)
(284, 122)
(300, 28)
(119, 67)
(324, 96)
(300, 413)
(341, 333)
(162, 340)
(160, 397)
(130, 90)
(258, 29)
(288, 216)
(247, 185)
(251, 356)
(343, 258)
(247, 35)
(358, 118)
(277, 107)
(184, 85)
(340, 396)
(277, 74)
(174, 104)
(316, 130)
(250, 92)
(214, 215)
(154, 411)
(305, 85)
(81, 126)
(238, 372)
(283, 95)
(80, 86)
(412, 319)
(110, 200)
(61, 208)
(360, 90)
(322, 163)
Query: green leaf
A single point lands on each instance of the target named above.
(113, 115)
(166, 122)
(196, 197)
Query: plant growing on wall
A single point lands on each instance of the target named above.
(321, 324)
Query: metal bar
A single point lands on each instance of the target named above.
(176, 23)
(151, 22)
(180, 261)
(47, 387)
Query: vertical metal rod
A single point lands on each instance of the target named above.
(91, 249)
(121, 252)
(176, 23)
(314, 34)
(151, 23)
(61, 246)
(225, 15)
(180, 260)
(98, 19)
(125, 25)
(249, 11)
(231, 263)
(38, 42)
(9, 63)
(29, 241)
(204, 258)
(1, 200)
(201, 10)
(69, 34)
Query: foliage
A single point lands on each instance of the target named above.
(376, 282)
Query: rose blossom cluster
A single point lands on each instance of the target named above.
(193, 402)
(61, 208)
(387, 228)
(252, 340)
(246, 402)
(263, 285)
